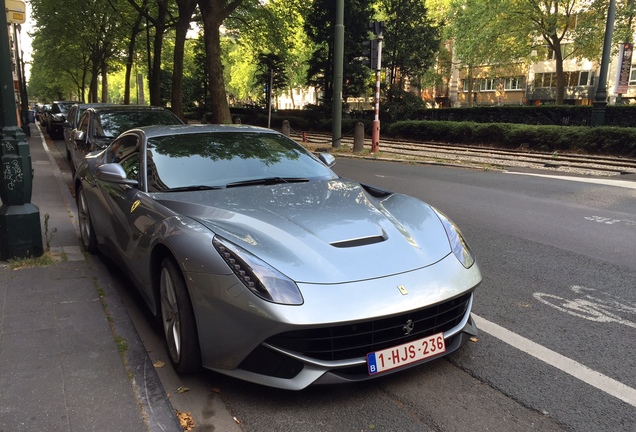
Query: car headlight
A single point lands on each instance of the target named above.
(457, 242)
(258, 276)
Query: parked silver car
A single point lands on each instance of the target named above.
(264, 265)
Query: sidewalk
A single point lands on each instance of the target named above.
(70, 357)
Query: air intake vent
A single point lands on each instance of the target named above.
(359, 339)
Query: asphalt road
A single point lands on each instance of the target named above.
(556, 309)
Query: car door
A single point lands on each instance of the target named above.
(131, 211)
(69, 125)
(79, 147)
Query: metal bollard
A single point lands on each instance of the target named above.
(286, 128)
(358, 138)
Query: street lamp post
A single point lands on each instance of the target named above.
(600, 99)
(20, 231)
(338, 67)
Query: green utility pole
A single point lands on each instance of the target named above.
(20, 231)
(338, 55)
(600, 99)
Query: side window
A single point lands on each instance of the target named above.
(125, 152)
(71, 115)
(83, 123)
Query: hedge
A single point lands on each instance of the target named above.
(606, 140)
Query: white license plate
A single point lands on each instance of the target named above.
(407, 353)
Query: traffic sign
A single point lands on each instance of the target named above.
(16, 11)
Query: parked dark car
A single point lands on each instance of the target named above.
(72, 120)
(99, 126)
(41, 114)
(55, 118)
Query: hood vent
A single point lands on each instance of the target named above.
(358, 242)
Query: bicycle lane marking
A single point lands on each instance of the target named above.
(565, 364)
(589, 307)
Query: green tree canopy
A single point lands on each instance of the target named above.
(319, 25)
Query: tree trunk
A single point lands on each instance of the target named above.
(130, 59)
(104, 82)
(155, 75)
(92, 87)
(212, 20)
(558, 57)
(186, 9)
(471, 84)
(291, 96)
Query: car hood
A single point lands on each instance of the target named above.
(330, 231)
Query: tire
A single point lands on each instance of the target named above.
(177, 317)
(87, 233)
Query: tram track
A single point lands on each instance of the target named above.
(486, 157)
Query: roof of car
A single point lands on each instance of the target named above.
(112, 107)
(161, 130)
(94, 104)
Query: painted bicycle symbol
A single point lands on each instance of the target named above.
(592, 306)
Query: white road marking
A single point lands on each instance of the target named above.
(610, 221)
(569, 366)
(607, 182)
(592, 306)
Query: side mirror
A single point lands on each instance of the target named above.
(114, 173)
(327, 158)
(79, 135)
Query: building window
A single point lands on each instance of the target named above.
(545, 80)
(465, 83)
(538, 80)
(584, 77)
(571, 79)
(514, 83)
(487, 84)
(632, 76)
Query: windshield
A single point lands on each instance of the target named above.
(62, 107)
(220, 159)
(110, 124)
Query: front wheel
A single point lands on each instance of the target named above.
(178, 321)
(87, 233)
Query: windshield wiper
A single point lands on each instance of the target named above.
(194, 188)
(268, 181)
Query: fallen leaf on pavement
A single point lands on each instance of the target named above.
(236, 420)
(182, 389)
(216, 390)
(159, 364)
(474, 339)
(186, 421)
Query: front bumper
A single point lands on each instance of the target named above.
(239, 333)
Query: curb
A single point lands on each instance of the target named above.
(157, 410)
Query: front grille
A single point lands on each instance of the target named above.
(359, 339)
